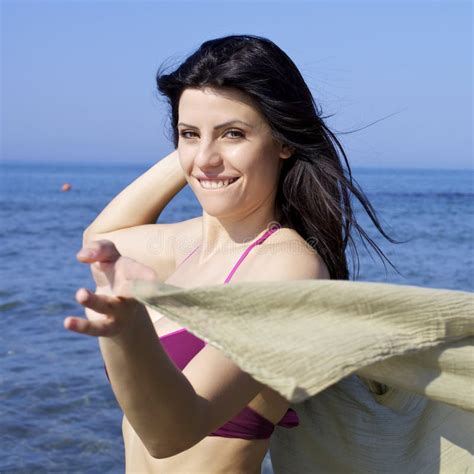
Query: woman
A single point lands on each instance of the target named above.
(255, 150)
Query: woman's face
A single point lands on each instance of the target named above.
(223, 135)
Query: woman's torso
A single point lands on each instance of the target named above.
(213, 454)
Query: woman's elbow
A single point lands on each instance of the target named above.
(88, 236)
(167, 450)
(163, 452)
(158, 454)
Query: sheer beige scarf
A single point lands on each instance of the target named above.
(381, 375)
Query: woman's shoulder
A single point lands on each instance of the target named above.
(288, 242)
(287, 255)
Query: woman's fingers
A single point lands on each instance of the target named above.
(97, 328)
(99, 325)
(110, 269)
(98, 251)
(107, 315)
(103, 304)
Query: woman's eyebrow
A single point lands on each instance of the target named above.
(230, 122)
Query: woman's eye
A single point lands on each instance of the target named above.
(235, 134)
(238, 132)
(184, 134)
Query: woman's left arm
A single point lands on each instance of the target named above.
(157, 399)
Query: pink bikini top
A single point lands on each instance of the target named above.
(181, 346)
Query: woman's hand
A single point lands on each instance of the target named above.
(111, 309)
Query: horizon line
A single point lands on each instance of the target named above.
(107, 163)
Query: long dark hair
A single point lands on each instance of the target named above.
(314, 189)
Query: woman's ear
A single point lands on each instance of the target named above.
(286, 151)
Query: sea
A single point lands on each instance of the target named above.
(57, 410)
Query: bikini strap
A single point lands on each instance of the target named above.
(259, 241)
(187, 257)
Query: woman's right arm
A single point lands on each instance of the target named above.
(129, 220)
(143, 200)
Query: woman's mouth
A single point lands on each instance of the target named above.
(216, 185)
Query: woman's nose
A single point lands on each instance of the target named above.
(207, 154)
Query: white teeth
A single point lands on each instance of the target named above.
(216, 184)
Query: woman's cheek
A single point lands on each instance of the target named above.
(186, 164)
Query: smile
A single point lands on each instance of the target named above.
(215, 185)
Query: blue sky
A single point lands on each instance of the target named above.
(78, 77)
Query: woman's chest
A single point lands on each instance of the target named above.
(268, 403)
(189, 275)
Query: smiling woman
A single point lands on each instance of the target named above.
(276, 206)
(213, 150)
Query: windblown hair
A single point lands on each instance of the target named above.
(314, 189)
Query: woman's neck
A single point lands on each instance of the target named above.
(227, 235)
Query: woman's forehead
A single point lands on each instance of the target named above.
(222, 102)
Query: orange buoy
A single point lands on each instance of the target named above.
(66, 187)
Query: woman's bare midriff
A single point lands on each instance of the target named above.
(213, 454)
